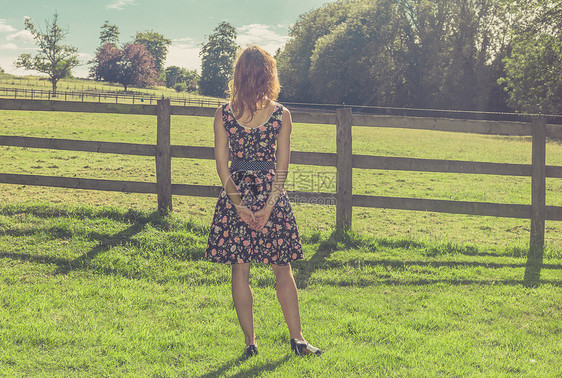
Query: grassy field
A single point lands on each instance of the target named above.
(79, 85)
(100, 291)
(97, 284)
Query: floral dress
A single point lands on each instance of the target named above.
(231, 240)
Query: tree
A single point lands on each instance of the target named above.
(133, 65)
(534, 74)
(138, 66)
(107, 63)
(361, 61)
(217, 60)
(176, 75)
(180, 87)
(533, 67)
(109, 34)
(156, 44)
(191, 78)
(54, 59)
(294, 60)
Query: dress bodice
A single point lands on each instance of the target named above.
(252, 143)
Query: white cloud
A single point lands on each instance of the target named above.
(184, 52)
(8, 46)
(85, 56)
(81, 71)
(185, 39)
(7, 59)
(22, 35)
(5, 28)
(261, 35)
(184, 43)
(120, 4)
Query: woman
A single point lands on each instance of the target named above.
(253, 218)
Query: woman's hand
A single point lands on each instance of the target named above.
(262, 216)
(246, 215)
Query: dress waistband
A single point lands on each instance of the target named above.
(251, 165)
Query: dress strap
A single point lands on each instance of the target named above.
(278, 116)
(225, 110)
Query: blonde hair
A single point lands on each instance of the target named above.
(255, 78)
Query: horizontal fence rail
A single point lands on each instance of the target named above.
(79, 183)
(79, 145)
(343, 160)
(297, 157)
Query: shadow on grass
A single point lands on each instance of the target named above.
(336, 239)
(326, 245)
(64, 266)
(105, 241)
(249, 372)
(425, 282)
(43, 210)
(48, 211)
(400, 264)
(341, 239)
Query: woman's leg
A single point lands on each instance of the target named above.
(243, 300)
(288, 298)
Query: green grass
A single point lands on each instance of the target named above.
(105, 291)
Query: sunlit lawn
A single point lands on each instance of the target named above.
(95, 283)
(88, 291)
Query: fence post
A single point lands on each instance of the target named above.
(538, 202)
(163, 157)
(344, 168)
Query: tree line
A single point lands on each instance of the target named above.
(487, 55)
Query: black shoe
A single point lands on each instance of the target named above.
(302, 348)
(250, 350)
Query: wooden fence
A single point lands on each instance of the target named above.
(343, 160)
(105, 96)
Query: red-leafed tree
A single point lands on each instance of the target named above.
(107, 63)
(138, 66)
(132, 65)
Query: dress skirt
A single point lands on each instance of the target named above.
(232, 241)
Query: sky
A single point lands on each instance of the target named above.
(186, 23)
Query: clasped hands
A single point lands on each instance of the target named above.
(256, 220)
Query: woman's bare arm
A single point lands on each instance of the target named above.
(221, 159)
(283, 156)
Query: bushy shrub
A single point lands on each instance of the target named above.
(181, 87)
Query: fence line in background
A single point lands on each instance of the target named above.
(104, 96)
(343, 160)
